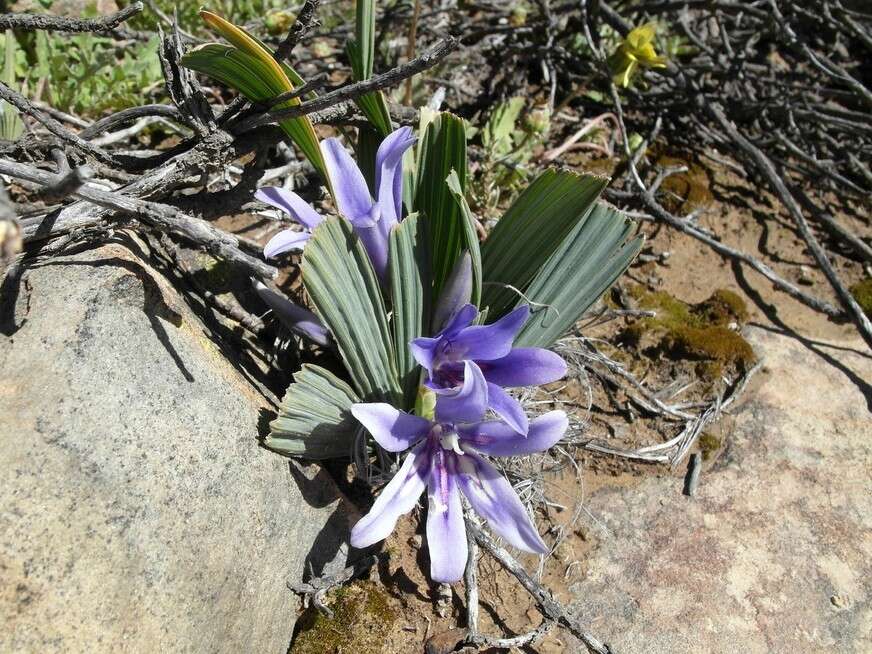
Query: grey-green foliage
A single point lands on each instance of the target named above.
(343, 287)
(442, 150)
(314, 421)
(410, 296)
(590, 259)
(531, 231)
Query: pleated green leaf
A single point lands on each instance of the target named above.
(342, 285)
(314, 421)
(442, 150)
(410, 296)
(531, 231)
(253, 71)
(470, 236)
(361, 54)
(364, 34)
(589, 260)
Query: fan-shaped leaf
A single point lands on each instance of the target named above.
(410, 295)
(343, 287)
(531, 231)
(314, 420)
(442, 150)
(470, 236)
(588, 261)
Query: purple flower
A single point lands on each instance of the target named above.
(445, 356)
(445, 460)
(372, 219)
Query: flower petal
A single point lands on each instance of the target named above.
(376, 245)
(424, 351)
(291, 315)
(496, 438)
(397, 498)
(285, 241)
(393, 429)
(456, 293)
(446, 532)
(469, 402)
(524, 366)
(349, 186)
(461, 320)
(494, 341)
(291, 203)
(507, 408)
(389, 175)
(493, 498)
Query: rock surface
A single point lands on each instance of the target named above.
(137, 511)
(774, 553)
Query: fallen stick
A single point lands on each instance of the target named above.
(162, 216)
(35, 22)
(549, 606)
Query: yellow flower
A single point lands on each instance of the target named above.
(637, 49)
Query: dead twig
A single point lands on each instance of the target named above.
(306, 21)
(549, 606)
(47, 22)
(315, 590)
(162, 216)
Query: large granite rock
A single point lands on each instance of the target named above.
(137, 511)
(774, 553)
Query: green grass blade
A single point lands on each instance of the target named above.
(314, 420)
(585, 265)
(361, 54)
(410, 297)
(364, 35)
(11, 126)
(531, 231)
(442, 150)
(342, 285)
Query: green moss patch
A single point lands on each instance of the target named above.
(699, 332)
(690, 190)
(708, 445)
(862, 292)
(362, 618)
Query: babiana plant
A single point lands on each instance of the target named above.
(431, 324)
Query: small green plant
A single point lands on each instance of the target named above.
(509, 138)
(86, 74)
(10, 122)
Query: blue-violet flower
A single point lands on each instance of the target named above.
(372, 218)
(489, 347)
(445, 459)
